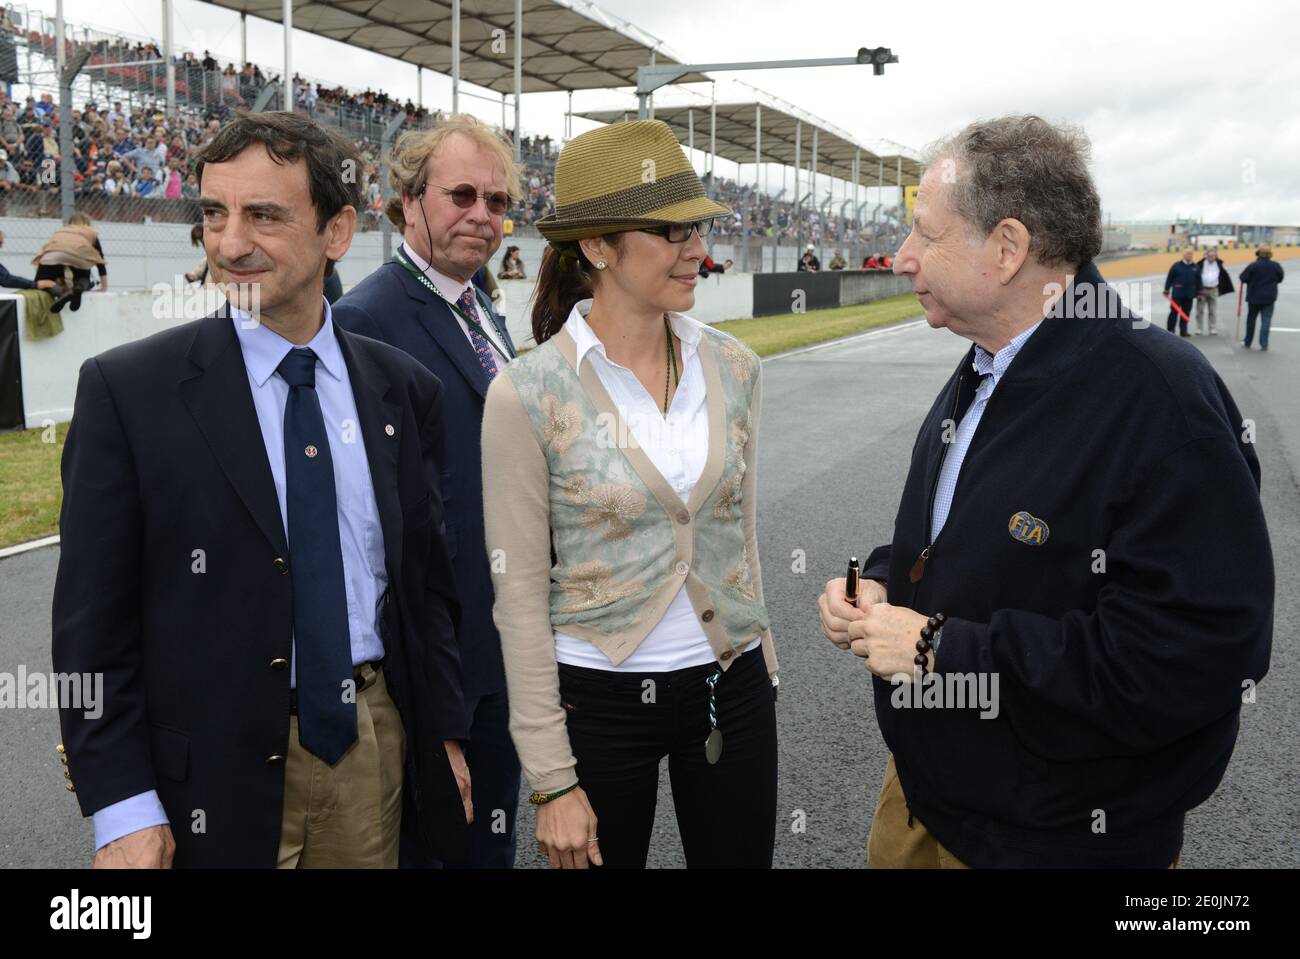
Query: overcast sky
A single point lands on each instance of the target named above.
(1193, 108)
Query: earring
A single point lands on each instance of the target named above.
(600, 264)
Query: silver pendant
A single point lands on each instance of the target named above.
(713, 746)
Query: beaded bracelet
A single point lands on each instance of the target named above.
(923, 646)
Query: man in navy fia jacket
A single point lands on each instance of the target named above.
(1083, 508)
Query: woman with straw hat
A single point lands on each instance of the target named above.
(618, 472)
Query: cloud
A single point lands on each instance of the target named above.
(1184, 119)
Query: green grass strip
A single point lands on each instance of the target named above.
(767, 335)
(30, 491)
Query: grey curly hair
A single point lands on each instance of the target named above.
(1027, 169)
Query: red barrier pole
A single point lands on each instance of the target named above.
(1177, 308)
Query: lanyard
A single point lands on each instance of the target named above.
(478, 294)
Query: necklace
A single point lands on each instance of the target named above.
(672, 360)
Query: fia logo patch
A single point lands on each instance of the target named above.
(1029, 529)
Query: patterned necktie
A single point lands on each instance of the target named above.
(327, 718)
(481, 345)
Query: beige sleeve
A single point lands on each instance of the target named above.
(749, 496)
(516, 512)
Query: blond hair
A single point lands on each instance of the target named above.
(410, 158)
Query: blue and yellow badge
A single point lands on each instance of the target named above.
(1028, 529)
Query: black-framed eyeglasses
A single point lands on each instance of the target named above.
(680, 232)
(464, 195)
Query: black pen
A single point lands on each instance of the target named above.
(851, 582)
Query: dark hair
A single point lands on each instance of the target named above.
(559, 287)
(196, 234)
(330, 157)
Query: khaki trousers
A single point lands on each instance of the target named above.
(1208, 301)
(893, 845)
(349, 815)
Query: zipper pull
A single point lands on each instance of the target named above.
(918, 568)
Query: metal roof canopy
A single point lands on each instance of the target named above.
(741, 127)
(568, 44)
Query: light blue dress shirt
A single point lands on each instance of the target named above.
(983, 363)
(365, 576)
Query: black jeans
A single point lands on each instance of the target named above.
(622, 724)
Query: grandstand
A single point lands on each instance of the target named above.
(131, 160)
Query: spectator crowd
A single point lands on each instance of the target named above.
(125, 148)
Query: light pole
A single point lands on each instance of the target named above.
(651, 77)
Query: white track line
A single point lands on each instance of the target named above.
(28, 547)
(845, 340)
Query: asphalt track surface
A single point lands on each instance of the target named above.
(838, 426)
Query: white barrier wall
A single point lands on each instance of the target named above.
(105, 320)
(724, 296)
(142, 254)
(49, 367)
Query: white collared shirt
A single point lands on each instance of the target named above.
(678, 446)
(361, 538)
(451, 290)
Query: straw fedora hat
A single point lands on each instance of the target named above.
(623, 176)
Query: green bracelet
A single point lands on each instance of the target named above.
(541, 799)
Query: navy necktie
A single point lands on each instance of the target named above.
(327, 718)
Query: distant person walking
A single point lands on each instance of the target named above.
(1261, 279)
(1214, 280)
(1181, 285)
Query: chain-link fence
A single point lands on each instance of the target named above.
(129, 157)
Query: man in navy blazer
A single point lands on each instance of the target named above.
(453, 185)
(253, 556)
